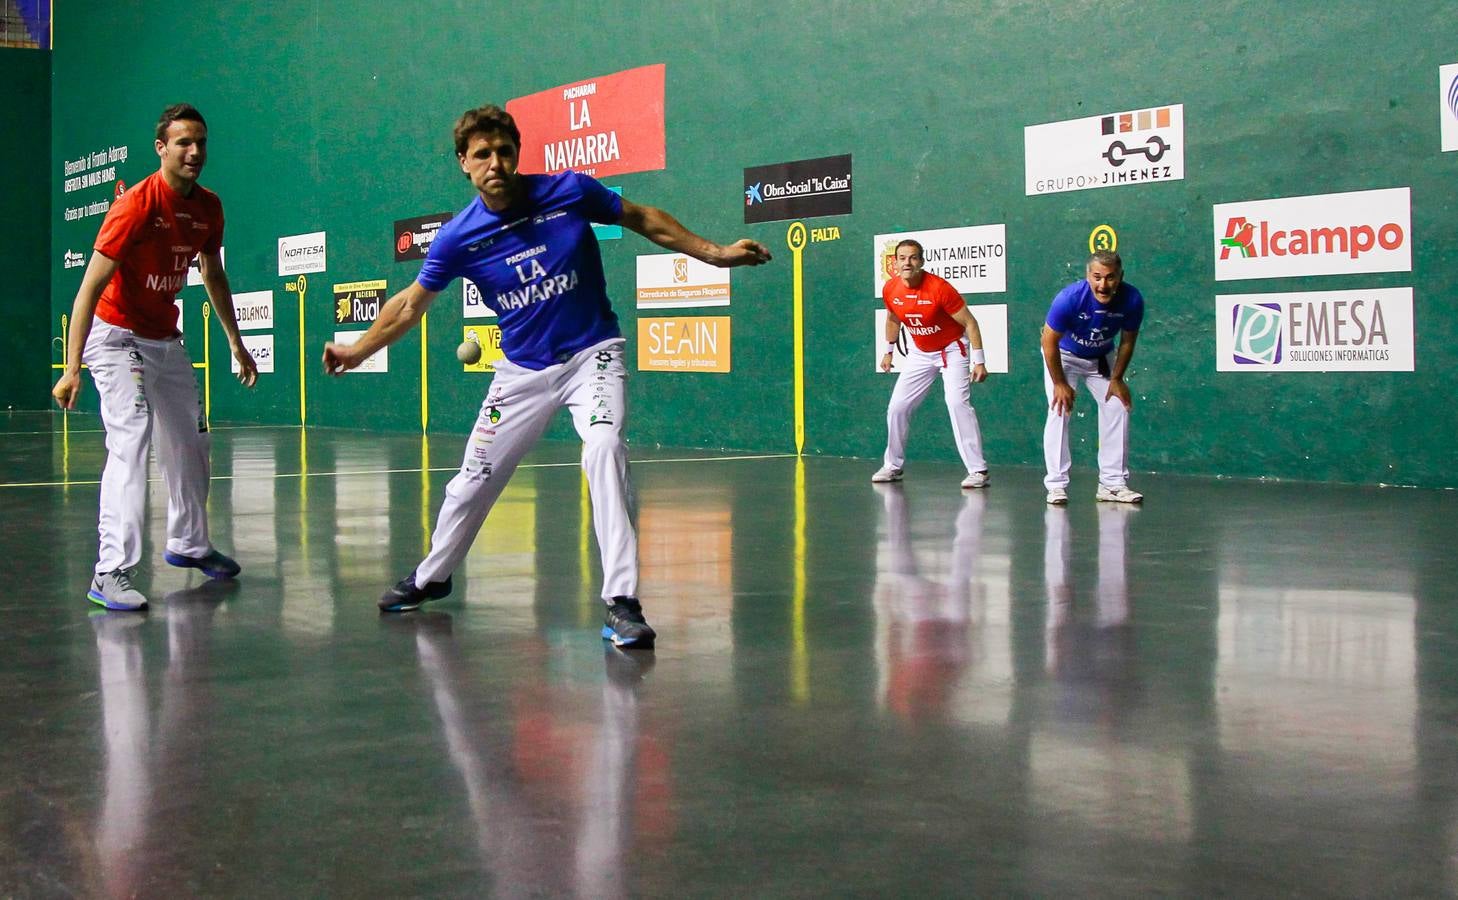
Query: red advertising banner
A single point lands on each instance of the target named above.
(602, 126)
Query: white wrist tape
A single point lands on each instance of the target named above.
(979, 358)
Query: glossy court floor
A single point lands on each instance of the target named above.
(1241, 689)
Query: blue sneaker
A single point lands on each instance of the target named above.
(407, 595)
(624, 625)
(213, 564)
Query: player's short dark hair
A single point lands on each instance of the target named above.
(920, 251)
(184, 112)
(1107, 258)
(484, 120)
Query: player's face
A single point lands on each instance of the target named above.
(490, 162)
(184, 152)
(909, 264)
(1104, 280)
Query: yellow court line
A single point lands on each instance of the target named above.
(561, 465)
(424, 373)
(207, 367)
(795, 237)
(800, 647)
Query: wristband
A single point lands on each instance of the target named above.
(979, 358)
(891, 347)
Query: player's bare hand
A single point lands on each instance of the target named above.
(1063, 396)
(67, 389)
(979, 373)
(886, 362)
(338, 358)
(1117, 388)
(743, 252)
(247, 368)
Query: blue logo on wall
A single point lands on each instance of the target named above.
(1257, 329)
(1453, 97)
(751, 195)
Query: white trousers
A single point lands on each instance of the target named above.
(517, 409)
(148, 387)
(1113, 425)
(917, 374)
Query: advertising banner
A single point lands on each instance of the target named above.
(358, 302)
(1111, 150)
(379, 361)
(261, 346)
(254, 310)
(673, 281)
(973, 259)
(488, 337)
(300, 254)
(472, 305)
(608, 125)
(684, 344)
(412, 237)
(798, 190)
(1324, 234)
(1315, 331)
(1448, 106)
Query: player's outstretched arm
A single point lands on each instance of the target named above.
(98, 272)
(399, 314)
(666, 231)
(1117, 386)
(220, 292)
(1063, 395)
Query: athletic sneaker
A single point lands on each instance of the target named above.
(1057, 497)
(1120, 494)
(114, 590)
(406, 596)
(975, 480)
(212, 564)
(624, 625)
(885, 474)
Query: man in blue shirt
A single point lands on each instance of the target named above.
(527, 244)
(1078, 345)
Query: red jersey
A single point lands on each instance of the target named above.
(153, 233)
(926, 310)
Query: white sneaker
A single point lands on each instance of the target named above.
(975, 480)
(1120, 494)
(1057, 497)
(885, 474)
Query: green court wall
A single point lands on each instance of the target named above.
(335, 116)
(25, 233)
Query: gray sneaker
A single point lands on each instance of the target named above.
(114, 590)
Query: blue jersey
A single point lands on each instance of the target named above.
(1088, 326)
(537, 266)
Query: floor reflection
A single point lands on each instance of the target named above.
(152, 771)
(1246, 689)
(1098, 647)
(926, 615)
(556, 794)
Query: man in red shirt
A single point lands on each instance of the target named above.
(946, 341)
(142, 372)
